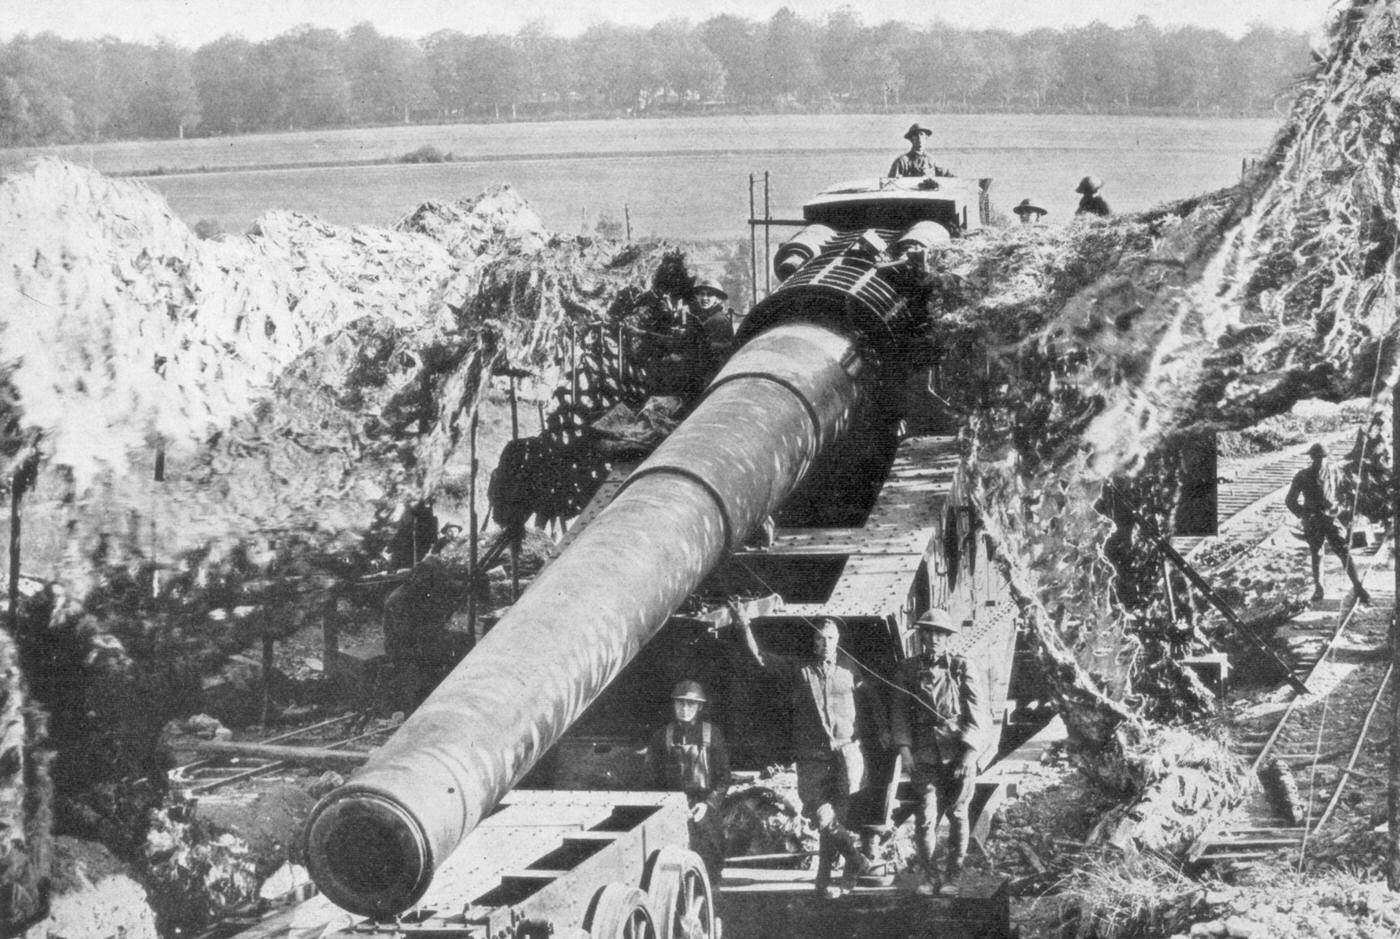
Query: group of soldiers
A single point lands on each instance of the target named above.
(938, 721)
(919, 162)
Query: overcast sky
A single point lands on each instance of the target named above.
(195, 22)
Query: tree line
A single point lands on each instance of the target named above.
(55, 90)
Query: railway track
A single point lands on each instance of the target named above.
(1284, 744)
(210, 773)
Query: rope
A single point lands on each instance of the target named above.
(811, 624)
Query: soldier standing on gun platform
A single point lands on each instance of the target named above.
(918, 161)
(1310, 499)
(688, 755)
(826, 729)
(938, 722)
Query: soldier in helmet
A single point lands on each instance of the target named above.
(918, 161)
(833, 709)
(689, 755)
(716, 317)
(1090, 202)
(1310, 499)
(939, 723)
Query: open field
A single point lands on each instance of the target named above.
(680, 177)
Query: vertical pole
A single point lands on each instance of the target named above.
(268, 646)
(473, 525)
(573, 370)
(514, 541)
(330, 633)
(621, 361)
(767, 248)
(753, 247)
(1392, 836)
(627, 217)
(16, 493)
(1170, 592)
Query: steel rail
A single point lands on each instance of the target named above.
(1327, 650)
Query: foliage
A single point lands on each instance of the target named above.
(56, 91)
(426, 154)
(194, 876)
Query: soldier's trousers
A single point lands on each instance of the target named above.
(825, 786)
(942, 789)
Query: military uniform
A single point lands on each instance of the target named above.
(692, 758)
(1091, 203)
(917, 163)
(940, 716)
(828, 704)
(1310, 500)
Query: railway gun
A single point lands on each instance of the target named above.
(513, 802)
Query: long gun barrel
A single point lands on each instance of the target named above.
(374, 844)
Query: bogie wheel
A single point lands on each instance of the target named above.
(621, 912)
(681, 900)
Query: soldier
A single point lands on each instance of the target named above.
(1310, 499)
(1090, 202)
(1029, 213)
(716, 318)
(939, 722)
(830, 707)
(689, 755)
(917, 162)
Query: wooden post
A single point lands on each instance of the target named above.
(627, 217)
(472, 525)
(269, 644)
(767, 248)
(16, 493)
(1170, 592)
(330, 633)
(753, 247)
(1392, 835)
(514, 541)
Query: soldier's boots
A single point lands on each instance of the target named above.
(837, 840)
(954, 873)
(857, 863)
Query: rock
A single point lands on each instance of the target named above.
(94, 894)
(1237, 927)
(202, 725)
(1213, 927)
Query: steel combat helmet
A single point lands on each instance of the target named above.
(689, 690)
(936, 619)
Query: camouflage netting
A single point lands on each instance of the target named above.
(1116, 341)
(220, 429)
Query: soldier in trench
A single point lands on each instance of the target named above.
(832, 705)
(939, 723)
(1310, 500)
(689, 755)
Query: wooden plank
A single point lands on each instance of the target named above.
(319, 756)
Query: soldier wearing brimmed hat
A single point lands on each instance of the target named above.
(939, 722)
(917, 162)
(689, 755)
(1029, 212)
(1310, 499)
(833, 708)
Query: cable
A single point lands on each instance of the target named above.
(811, 624)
